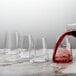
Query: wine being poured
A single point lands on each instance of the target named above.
(65, 55)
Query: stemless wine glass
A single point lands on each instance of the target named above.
(12, 46)
(2, 42)
(31, 46)
(26, 47)
(24, 54)
(41, 52)
(71, 27)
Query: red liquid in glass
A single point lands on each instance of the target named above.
(63, 55)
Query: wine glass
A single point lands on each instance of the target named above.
(40, 53)
(26, 47)
(12, 46)
(71, 27)
(2, 42)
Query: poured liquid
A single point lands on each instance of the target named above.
(63, 55)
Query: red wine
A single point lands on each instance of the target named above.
(65, 54)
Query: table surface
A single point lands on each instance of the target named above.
(37, 69)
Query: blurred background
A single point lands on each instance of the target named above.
(39, 18)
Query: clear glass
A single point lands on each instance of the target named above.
(12, 46)
(31, 46)
(41, 53)
(2, 42)
(26, 46)
(72, 41)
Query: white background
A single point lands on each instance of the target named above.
(37, 17)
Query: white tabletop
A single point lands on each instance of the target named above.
(36, 69)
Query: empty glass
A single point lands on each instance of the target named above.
(2, 42)
(12, 46)
(26, 47)
(71, 40)
(31, 46)
(40, 52)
